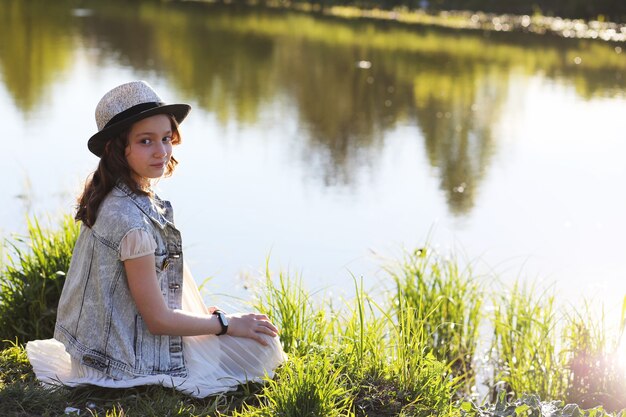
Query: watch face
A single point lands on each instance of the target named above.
(221, 317)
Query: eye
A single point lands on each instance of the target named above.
(145, 141)
(167, 139)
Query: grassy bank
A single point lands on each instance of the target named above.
(414, 352)
(573, 9)
(592, 26)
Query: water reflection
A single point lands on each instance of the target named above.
(456, 109)
(35, 48)
(345, 109)
(231, 61)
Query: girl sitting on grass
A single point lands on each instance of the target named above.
(130, 312)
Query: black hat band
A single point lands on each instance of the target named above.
(132, 111)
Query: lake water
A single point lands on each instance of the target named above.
(329, 146)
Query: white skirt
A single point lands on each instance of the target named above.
(214, 364)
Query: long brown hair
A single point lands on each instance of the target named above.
(112, 168)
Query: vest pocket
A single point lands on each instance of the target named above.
(138, 341)
(148, 356)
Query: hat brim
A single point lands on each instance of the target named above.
(97, 142)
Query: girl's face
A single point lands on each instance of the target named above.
(149, 148)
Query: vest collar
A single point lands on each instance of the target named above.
(159, 211)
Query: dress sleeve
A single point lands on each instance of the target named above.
(135, 244)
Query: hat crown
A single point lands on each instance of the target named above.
(122, 98)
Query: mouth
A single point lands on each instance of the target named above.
(159, 165)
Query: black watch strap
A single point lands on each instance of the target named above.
(223, 320)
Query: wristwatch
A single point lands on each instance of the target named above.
(221, 317)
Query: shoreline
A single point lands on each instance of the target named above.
(462, 20)
(466, 20)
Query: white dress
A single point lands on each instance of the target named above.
(214, 363)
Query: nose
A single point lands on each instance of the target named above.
(161, 150)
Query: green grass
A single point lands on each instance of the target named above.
(526, 344)
(596, 358)
(566, 354)
(291, 308)
(298, 392)
(405, 354)
(31, 280)
(446, 303)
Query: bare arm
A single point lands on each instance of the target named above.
(160, 319)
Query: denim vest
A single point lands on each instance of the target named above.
(97, 319)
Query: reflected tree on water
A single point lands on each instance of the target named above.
(122, 34)
(233, 60)
(36, 48)
(348, 110)
(226, 73)
(230, 69)
(457, 105)
(345, 109)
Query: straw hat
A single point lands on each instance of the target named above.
(126, 104)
